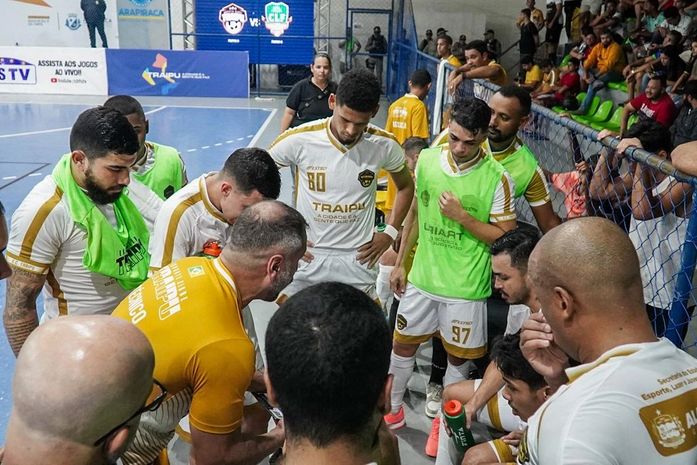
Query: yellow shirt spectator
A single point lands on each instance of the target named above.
(604, 59)
(534, 75)
(455, 61)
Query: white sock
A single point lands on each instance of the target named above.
(382, 285)
(447, 452)
(454, 373)
(401, 369)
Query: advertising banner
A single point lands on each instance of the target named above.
(273, 32)
(51, 70)
(143, 23)
(52, 23)
(178, 73)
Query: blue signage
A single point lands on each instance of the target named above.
(178, 73)
(273, 32)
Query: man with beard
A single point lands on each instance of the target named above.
(77, 234)
(484, 399)
(190, 311)
(336, 163)
(510, 110)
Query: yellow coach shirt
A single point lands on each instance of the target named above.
(190, 313)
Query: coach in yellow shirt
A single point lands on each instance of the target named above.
(190, 313)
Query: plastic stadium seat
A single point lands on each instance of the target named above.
(632, 119)
(613, 124)
(592, 108)
(622, 86)
(600, 115)
(579, 98)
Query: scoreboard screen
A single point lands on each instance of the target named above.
(272, 32)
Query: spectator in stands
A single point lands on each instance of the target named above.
(492, 43)
(533, 74)
(690, 72)
(674, 21)
(510, 111)
(80, 385)
(428, 45)
(94, 17)
(462, 39)
(5, 269)
(440, 32)
(529, 37)
(570, 13)
(458, 51)
(328, 350)
(586, 276)
(667, 63)
(583, 50)
(654, 103)
(550, 80)
(554, 27)
(444, 46)
(659, 204)
(684, 129)
(569, 83)
(651, 18)
(308, 100)
(610, 19)
(377, 47)
(480, 65)
(603, 65)
(536, 15)
(574, 186)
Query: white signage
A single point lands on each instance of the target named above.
(52, 23)
(49, 70)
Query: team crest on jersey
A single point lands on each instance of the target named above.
(195, 271)
(366, 178)
(401, 322)
(425, 197)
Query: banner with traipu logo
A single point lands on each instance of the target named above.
(178, 73)
(51, 70)
(52, 23)
(273, 32)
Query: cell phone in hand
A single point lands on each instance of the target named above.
(276, 413)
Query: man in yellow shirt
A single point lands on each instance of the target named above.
(444, 49)
(190, 311)
(407, 117)
(604, 64)
(533, 73)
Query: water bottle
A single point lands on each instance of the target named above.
(454, 413)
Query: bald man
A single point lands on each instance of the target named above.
(80, 385)
(632, 400)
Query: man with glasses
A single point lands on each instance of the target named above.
(80, 386)
(190, 311)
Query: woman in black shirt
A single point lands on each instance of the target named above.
(308, 100)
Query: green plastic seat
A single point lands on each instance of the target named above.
(601, 114)
(613, 124)
(579, 98)
(592, 108)
(632, 119)
(621, 86)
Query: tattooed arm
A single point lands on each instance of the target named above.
(20, 316)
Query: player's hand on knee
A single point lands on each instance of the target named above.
(398, 280)
(370, 252)
(513, 438)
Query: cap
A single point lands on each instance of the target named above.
(440, 31)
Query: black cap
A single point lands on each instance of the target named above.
(441, 31)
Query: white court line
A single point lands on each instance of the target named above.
(9, 177)
(47, 131)
(261, 129)
(147, 105)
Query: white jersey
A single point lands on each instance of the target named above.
(187, 221)
(44, 239)
(517, 314)
(636, 404)
(147, 202)
(658, 242)
(336, 184)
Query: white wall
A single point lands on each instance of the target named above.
(472, 17)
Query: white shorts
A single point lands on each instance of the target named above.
(460, 323)
(498, 414)
(339, 266)
(504, 452)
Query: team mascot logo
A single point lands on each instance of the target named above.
(277, 18)
(233, 17)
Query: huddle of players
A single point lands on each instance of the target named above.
(463, 204)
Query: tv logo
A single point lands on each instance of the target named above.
(16, 71)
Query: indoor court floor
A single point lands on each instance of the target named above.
(35, 133)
